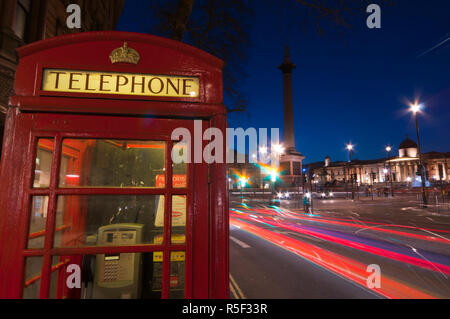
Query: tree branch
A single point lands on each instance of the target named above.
(181, 18)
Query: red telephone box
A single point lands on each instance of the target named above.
(92, 203)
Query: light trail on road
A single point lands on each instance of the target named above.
(414, 259)
(393, 252)
(336, 221)
(340, 265)
(329, 219)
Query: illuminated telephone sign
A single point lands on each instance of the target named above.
(93, 82)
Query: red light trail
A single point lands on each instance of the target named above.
(342, 266)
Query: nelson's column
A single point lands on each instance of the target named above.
(291, 161)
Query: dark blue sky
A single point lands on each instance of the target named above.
(348, 87)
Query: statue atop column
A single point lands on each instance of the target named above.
(291, 161)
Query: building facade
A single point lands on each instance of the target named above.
(26, 21)
(402, 169)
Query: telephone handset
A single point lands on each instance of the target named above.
(117, 276)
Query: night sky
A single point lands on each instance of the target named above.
(350, 86)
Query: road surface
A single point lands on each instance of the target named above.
(338, 250)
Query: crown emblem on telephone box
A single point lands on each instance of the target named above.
(125, 55)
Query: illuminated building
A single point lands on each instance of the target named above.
(404, 168)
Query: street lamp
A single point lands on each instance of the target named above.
(263, 152)
(273, 178)
(243, 180)
(415, 109)
(263, 159)
(391, 176)
(350, 148)
(273, 175)
(276, 151)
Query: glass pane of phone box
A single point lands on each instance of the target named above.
(112, 163)
(32, 277)
(109, 220)
(110, 276)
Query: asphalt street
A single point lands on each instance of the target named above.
(284, 252)
(264, 270)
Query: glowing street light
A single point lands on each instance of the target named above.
(243, 181)
(263, 158)
(350, 147)
(273, 175)
(278, 149)
(415, 109)
(263, 150)
(391, 176)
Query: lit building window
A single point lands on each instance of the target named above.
(23, 8)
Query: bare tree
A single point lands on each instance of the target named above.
(181, 18)
(216, 26)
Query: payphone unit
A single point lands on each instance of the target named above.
(117, 276)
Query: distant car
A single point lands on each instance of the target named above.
(326, 195)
